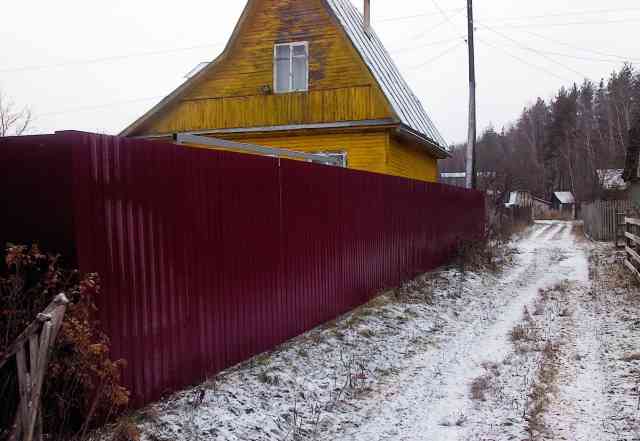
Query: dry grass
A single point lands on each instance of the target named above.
(480, 387)
(542, 390)
(524, 333)
(578, 233)
(126, 430)
(631, 357)
(486, 383)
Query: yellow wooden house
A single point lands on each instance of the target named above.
(311, 76)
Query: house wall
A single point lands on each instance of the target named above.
(366, 150)
(410, 161)
(230, 95)
(375, 151)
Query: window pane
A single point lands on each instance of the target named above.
(282, 75)
(300, 50)
(283, 52)
(300, 74)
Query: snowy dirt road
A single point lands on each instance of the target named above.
(431, 399)
(546, 349)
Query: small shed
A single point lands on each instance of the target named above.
(564, 201)
(519, 198)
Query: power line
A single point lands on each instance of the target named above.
(571, 13)
(431, 43)
(409, 17)
(524, 61)
(573, 23)
(578, 48)
(433, 28)
(99, 106)
(578, 57)
(446, 17)
(563, 14)
(106, 59)
(437, 57)
(535, 51)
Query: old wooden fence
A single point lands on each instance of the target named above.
(31, 350)
(603, 220)
(632, 245)
(208, 257)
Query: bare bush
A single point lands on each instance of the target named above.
(82, 386)
(480, 386)
(13, 121)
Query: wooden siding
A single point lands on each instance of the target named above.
(230, 94)
(410, 161)
(365, 150)
(330, 105)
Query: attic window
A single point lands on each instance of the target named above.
(291, 67)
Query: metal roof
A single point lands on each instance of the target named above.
(565, 197)
(404, 102)
(612, 179)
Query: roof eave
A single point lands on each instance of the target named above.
(434, 148)
(378, 124)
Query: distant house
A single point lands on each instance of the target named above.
(565, 202)
(311, 76)
(519, 198)
(458, 179)
(612, 184)
(612, 179)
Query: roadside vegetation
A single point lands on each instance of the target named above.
(82, 383)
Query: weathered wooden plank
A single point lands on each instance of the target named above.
(33, 367)
(56, 321)
(631, 252)
(632, 221)
(23, 388)
(632, 237)
(632, 268)
(13, 349)
(38, 379)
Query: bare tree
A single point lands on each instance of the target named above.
(14, 121)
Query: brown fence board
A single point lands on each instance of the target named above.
(601, 218)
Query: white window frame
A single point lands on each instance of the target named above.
(291, 57)
(335, 156)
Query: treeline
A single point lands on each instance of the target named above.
(560, 145)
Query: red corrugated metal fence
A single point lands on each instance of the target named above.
(208, 258)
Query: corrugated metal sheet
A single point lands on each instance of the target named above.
(565, 197)
(208, 258)
(405, 103)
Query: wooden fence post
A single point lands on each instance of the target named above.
(39, 337)
(632, 260)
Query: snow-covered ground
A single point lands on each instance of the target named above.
(546, 349)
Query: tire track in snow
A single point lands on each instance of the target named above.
(431, 398)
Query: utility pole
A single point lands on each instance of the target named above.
(471, 140)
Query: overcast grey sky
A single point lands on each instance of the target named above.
(525, 49)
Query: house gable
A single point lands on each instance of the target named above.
(235, 91)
